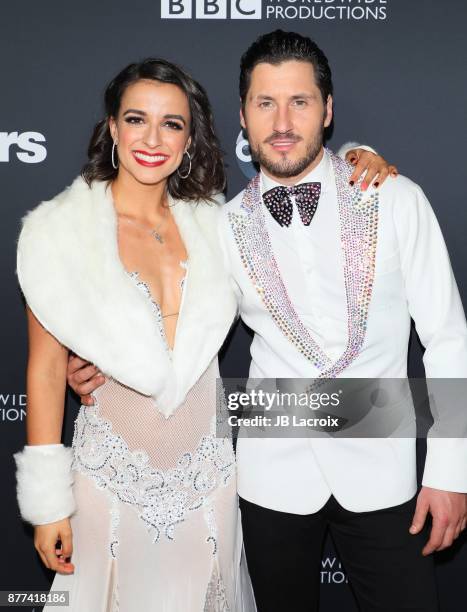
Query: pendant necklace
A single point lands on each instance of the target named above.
(154, 232)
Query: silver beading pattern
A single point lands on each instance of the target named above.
(162, 498)
(216, 598)
(114, 523)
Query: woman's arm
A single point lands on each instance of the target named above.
(46, 384)
(44, 478)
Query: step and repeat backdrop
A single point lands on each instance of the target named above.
(400, 86)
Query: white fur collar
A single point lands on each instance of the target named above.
(73, 280)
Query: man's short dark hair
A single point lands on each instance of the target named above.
(279, 46)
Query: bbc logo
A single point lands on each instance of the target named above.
(211, 9)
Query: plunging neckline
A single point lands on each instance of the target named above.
(145, 288)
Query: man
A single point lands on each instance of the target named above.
(299, 295)
(328, 277)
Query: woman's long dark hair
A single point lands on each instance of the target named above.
(207, 176)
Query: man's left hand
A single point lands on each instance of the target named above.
(449, 512)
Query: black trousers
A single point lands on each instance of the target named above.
(383, 561)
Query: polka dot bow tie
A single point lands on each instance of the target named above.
(279, 204)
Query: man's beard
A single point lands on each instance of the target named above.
(286, 168)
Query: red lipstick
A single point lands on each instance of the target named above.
(151, 160)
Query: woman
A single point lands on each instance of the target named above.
(123, 268)
(106, 267)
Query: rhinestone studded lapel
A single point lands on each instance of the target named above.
(358, 215)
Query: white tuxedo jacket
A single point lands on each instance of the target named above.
(397, 245)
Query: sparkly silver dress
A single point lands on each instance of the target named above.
(157, 523)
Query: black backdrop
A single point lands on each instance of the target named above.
(399, 70)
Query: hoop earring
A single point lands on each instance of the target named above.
(189, 169)
(114, 165)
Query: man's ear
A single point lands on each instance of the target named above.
(242, 118)
(113, 129)
(328, 116)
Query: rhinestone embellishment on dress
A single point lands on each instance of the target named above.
(161, 498)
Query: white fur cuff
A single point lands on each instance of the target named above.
(44, 483)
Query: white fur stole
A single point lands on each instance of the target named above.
(70, 272)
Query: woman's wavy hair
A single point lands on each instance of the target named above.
(207, 176)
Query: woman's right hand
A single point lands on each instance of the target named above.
(83, 378)
(45, 542)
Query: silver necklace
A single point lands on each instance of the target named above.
(154, 232)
